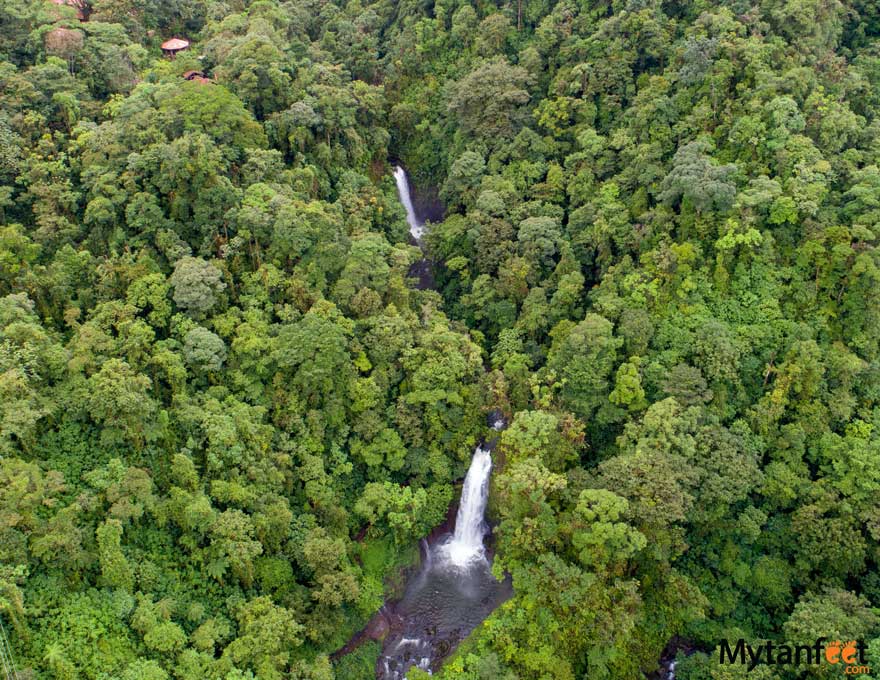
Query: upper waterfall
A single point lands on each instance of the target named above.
(416, 226)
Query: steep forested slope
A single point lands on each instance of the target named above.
(226, 416)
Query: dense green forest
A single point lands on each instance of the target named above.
(227, 414)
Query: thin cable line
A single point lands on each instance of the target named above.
(9, 671)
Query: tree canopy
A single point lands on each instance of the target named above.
(228, 412)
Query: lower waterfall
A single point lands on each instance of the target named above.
(453, 591)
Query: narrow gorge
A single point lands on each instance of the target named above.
(453, 590)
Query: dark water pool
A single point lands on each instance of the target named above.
(441, 605)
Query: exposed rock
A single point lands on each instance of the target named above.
(64, 42)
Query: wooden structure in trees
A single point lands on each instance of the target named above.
(197, 77)
(171, 47)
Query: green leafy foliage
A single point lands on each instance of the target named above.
(228, 415)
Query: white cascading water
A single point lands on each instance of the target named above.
(466, 545)
(450, 596)
(416, 227)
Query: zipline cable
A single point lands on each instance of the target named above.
(9, 672)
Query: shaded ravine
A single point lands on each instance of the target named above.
(455, 600)
(668, 659)
(421, 270)
(452, 590)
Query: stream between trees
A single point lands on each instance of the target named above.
(453, 590)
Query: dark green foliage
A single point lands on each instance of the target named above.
(227, 416)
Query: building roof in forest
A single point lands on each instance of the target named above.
(175, 44)
(78, 5)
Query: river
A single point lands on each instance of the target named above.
(454, 589)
